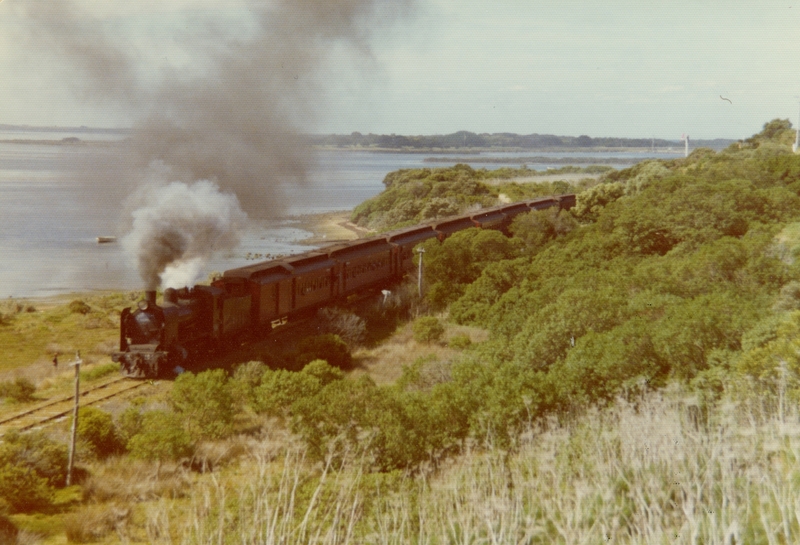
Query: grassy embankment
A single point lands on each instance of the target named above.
(33, 331)
(643, 473)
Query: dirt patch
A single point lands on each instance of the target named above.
(330, 227)
(569, 178)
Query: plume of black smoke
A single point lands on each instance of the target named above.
(239, 124)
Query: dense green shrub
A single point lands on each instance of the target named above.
(246, 378)
(590, 202)
(129, 423)
(21, 389)
(162, 437)
(79, 307)
(328, 347)
(449, 267)
(412, 196)
(328, 421)
(789, 297)
(97, 430)
(23, 490)
(205, 403)
(279, 389)
(602, 365)
(676, 262)
(427, 329)
(459, 342)
(31, 466)
(324, 372)
(492, 399)
(538, 227)
(390, 427)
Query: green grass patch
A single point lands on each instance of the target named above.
(31, 332)
(39, 524)
(99, 371)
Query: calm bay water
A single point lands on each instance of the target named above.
(48, 229)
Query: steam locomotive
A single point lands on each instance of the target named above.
(255, 299)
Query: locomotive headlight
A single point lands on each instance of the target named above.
(143, 305)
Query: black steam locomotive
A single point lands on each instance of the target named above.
(253, 300)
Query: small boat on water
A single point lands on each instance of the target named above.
(105, 240)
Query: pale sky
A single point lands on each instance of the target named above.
(616, 68)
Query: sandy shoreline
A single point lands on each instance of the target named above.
(330, 227)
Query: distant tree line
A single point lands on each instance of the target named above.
(505, 140)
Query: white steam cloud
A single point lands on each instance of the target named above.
(178, 227)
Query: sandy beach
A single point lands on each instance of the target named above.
(330, 227)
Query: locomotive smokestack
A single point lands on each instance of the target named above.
(150, 297)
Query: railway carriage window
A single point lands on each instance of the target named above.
(314, 285)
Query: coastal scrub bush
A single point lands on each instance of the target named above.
(450, 266)
(427, 329)
(96, 429)
(31, 465)
(459, 342)
(328, 347)
(21, 489)
(590, 202)
(246, 378)
(324, 372)
(162, 437)
(205, 403)
(789, 298)
(329, 420)
(280, 388)
(79, 307)
(20, 389)
(412, 195)
(604, 365)
(391, 427)
(129, 421)
(538, 227)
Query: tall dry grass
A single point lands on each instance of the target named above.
(384, 363)
(125, 480)
(644, 473)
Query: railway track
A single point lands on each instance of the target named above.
(54, 409)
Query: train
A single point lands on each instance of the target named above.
(253, 300)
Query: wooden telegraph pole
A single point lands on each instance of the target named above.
(421, 252)
(77, 365)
